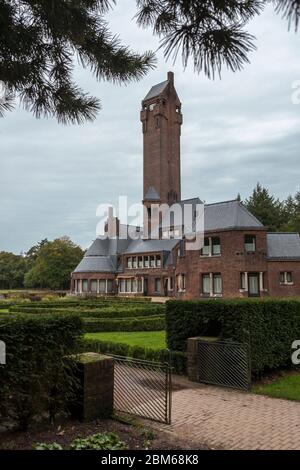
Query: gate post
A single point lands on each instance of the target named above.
(192, 360)
(95, 394)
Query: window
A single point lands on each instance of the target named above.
(216, 246)
(158, 261)
(109, 286)
(212, 247)
(206, 248)
(134, 262)
(129, 263)
(286, 278)
(134, 285)
(158, 285)
(250, 243)
(152, 261)
(141, 263)
(183, 282)
(102, 287)
(122, 286)
(146, 261)
(243, 281)
(128, 285)
(140, 285)
(206, 284)
(85, 285)
(170, 284)
(212, 285)
(217, 279)
(94, 286)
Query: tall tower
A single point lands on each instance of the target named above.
(162, 119)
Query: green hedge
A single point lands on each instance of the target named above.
(114, 311)
(36, 378)
(94, 325)
(270, 325)
(178, 359)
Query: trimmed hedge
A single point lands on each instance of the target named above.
(37, 379)
(270, 325)
(114, 311)
(178, 359)
(94, 325)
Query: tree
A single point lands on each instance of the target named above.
(265, 208)
(291, 211)
(40, 39)
(12, 270)
(211, 32)
(53, 265)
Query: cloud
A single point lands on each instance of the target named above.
(237, 130)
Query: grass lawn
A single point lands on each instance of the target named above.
(286, 387)
(146, 339)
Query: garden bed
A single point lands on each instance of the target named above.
(136, 437)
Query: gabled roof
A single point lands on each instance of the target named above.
(283, 246)
(152, 194)
(229, 215)
(156, 90)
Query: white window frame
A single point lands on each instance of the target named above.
(286, 282)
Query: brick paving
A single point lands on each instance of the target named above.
(229, 419)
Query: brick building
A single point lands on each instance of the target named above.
(239, 258)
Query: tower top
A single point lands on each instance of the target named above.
(159, 89)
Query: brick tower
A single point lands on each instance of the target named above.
(162, 119)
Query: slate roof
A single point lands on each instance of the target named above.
(102, 264)
(229, 215)
(152, 194)
(283, 246)
(156, 90)
(151, 246)
(222, 215)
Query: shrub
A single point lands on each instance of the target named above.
(36, 378)
(177, 359)
(105, 441)
(94, 325)
(269, 325)
(44, 446)
(114, 311)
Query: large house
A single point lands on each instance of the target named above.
(239, 258)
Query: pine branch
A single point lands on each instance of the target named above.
(39, 42)
(212, 33)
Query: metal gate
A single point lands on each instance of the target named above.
(224, 363)
(143, 388)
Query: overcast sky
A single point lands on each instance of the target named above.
(237, 131)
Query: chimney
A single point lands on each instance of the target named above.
(171, 77)
(112, 226)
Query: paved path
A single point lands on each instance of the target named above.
(228, 419)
